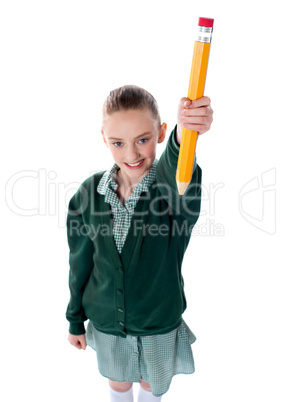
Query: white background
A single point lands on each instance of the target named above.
(59, 60)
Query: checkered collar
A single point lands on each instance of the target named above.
(108, 184)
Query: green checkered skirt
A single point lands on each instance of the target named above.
(154, 359)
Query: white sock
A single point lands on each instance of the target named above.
(116, 396)
(146, 396)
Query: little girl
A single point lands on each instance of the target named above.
(128, 230)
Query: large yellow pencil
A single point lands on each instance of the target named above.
(195, 91)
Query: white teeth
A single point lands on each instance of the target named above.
(134, 164)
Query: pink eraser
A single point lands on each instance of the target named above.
(206, 22)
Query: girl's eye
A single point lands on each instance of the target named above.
(117, 143)
(144, 140)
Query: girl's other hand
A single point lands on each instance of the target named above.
(195, 115)
(79, 341)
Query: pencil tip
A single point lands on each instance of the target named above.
(182, 186)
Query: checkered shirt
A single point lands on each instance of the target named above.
(122, 214)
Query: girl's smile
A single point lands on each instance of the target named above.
(136, 165)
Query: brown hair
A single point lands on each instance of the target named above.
(130, 97)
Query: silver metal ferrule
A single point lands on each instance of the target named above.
(204, 34)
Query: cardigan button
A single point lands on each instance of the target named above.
(119, 292)
(121, 323)
(120, 269)
(121, 310)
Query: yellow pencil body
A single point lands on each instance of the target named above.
(189, 138)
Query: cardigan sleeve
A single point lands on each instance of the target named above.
(80, 262)
(189, 203)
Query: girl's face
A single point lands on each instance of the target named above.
(132, 136)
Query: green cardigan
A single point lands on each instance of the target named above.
(140, 291)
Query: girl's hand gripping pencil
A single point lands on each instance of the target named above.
(195, 91)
